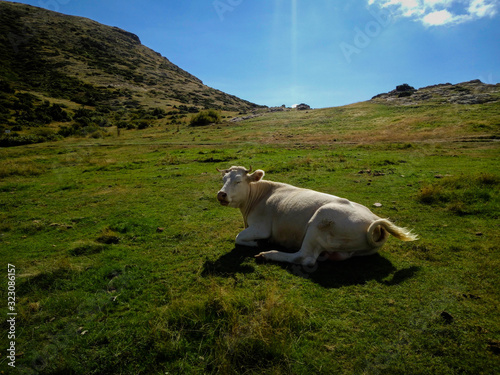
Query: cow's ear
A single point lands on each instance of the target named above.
(256, 176)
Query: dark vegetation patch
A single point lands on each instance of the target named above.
(208, 117)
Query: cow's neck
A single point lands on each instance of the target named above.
(257, 191)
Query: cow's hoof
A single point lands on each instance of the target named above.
(260, 258)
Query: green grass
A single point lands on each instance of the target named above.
(126, 263)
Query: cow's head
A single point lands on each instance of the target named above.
(236, 187)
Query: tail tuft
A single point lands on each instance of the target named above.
(400, 233)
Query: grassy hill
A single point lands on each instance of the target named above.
(125, 263)
(53, 64)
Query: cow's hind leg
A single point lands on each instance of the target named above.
(306, 256)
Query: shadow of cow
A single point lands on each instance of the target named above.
(328, 274)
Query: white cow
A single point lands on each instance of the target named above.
(304, 220)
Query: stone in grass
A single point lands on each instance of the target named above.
(377, 204)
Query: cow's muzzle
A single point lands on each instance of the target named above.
(222, 198)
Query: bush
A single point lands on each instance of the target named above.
(122, 124)
(6, 87)
(19, 140)
(205, 118)
(158, 113)
(97, 134)
(141, 125)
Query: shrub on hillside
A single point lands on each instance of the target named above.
(141, 125)
(11, 140)
(205, 118)
(6, 87)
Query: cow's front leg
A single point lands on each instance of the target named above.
(304, 258)
(250, 235)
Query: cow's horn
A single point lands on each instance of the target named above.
(221, 170)
(250, 170)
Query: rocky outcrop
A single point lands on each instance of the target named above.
(472, 92)
(303, 107)
(401, 91)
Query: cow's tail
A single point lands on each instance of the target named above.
(379, 231)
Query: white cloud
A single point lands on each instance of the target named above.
(482, 8)
(440, 17)
(440, 12)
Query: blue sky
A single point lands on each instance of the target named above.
(323, 53)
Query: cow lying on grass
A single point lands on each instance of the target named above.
(302, 219)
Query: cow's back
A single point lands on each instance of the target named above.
(292, 208)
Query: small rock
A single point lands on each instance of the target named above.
(159, 230)
(377, 204)
(438, 176)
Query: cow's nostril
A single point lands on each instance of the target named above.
(221, 195)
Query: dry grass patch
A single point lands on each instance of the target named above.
(18, 167)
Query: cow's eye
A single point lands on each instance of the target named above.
(238, 182)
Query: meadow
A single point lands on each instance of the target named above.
(125, 263)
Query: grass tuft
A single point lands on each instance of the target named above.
(108, 237)
(463, 195)
(241, 333)
(81, 248)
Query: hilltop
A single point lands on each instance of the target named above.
(74, 62)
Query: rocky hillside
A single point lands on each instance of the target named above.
(472, 92)
(47, 59)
